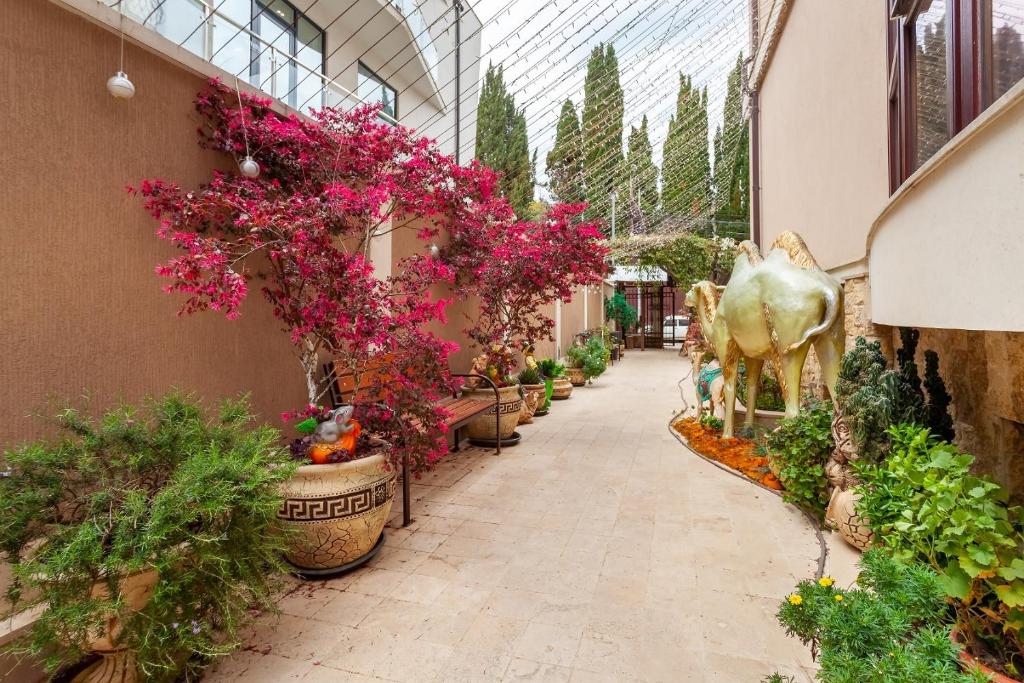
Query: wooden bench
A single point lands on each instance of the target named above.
(460, 410)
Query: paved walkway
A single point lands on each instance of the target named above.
(598, 549)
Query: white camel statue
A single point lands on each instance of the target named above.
(773, 308)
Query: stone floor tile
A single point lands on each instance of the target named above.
(536, 672)
(548, 643)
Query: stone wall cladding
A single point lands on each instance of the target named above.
(984, 373)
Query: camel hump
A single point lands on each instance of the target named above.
(796, 249)
(750, 250)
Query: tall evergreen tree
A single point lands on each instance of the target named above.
(732, 154)
(603, 109)
(565, 160)
(501, 140)
(686, 165)
(641, 176)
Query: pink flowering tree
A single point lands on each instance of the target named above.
(302, 231)
(519, 268)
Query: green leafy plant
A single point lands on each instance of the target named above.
(769, 395)
(925, 505)
(872, 398)
(711, 422)
(592, 357)
(890, 629)
(529, 376)
(551, 368)
(618, 309)
(160, 488)
(800, 446)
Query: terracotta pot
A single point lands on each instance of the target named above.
(509, 406)
(562, 388)
(969, 662)
(117, 663)
(336, 512)
(575, 376)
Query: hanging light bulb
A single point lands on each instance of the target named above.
(249, 167)
(435, 251)
(118, 85)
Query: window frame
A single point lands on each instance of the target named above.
(259, 8)
(968, 66)
(362, 66)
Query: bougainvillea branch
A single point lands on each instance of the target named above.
(517, 269)
(328, 186)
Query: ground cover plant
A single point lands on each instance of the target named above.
(891, 628)
(161, 487)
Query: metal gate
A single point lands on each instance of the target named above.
(652, 316)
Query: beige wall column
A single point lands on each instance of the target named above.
(558, 329)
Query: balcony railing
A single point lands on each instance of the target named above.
(201, 28)
(418, 26)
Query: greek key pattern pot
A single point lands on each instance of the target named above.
(509, 407)
(336, 512)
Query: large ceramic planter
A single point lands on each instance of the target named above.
(336, 513)
(117, 663)
(509, 407)
(970, 663)
(576, 376)
(561, 388)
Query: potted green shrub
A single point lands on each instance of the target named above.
(587, 361)
(555, 373)
(797, 452)
(145, 536)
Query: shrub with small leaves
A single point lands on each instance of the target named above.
(592, 357)
(161, 488)
(891, 629)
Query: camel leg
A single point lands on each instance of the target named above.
(829, 348)
(754, 367)
(730, 371)
(792, 367)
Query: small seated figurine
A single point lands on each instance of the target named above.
(528, 352)
(335, 439)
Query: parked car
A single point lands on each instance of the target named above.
(674, 328)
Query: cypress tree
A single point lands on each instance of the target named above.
(732, 160)
(641, 173)
(686, 165)
(502, 142)
(565, 160)
(603, 109)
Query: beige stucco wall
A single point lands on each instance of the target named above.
(824, 171)
(949, 251)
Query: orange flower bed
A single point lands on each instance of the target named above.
(738, 453)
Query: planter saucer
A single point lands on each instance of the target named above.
(491, 443)
(321, 574)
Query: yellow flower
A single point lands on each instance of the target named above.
(825, 581)
(839, 597)
(795, 599)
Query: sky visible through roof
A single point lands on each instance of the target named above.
(544, 46)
